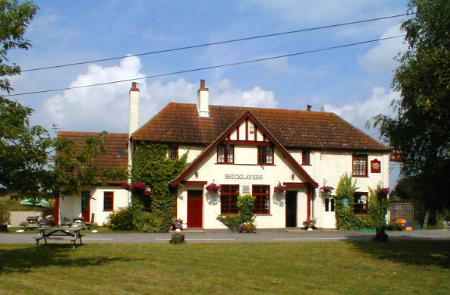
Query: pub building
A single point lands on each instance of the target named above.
(289, 160)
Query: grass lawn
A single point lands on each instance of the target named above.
(400, 267)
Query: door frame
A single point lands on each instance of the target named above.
(200, 195)
(292, 194)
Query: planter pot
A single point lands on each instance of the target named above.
(3, 228)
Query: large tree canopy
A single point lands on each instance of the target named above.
(23, 148)
(420, 130)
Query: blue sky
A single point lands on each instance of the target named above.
(353, 82)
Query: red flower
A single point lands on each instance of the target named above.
(279, 188)
(212, 187)
(326, 189)
(138, 186)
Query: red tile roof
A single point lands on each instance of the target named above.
(180, 123)
(116, 147)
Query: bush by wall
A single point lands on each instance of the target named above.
(244, 220)
(346, 218)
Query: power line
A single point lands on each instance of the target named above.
(248, 38)
(249, 61)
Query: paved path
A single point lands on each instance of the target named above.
(226, 236)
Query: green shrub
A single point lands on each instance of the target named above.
(177, 238)
(148, 222)
(122, 219)
(232, 221)
(246, 204)
(244, 219)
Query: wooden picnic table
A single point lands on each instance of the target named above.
(60, 233)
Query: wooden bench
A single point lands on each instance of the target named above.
(60, 233)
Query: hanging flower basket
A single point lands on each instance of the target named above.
(326, 189)
(279, 188)
(137, 187)
(383, 193)
(213, 188)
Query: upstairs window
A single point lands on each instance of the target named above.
(265, 155)
(228, 198)
(262, 199)
(173, 152)
(360, 203)
(225, 154)
(306, 158)
(359, 165)
(108, 201)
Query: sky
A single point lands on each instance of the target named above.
(353, 82)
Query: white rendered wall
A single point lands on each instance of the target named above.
(71, 205)
(245, 164)
(192, 152)
(326, 168)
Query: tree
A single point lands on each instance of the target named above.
(23, 148)
(420, 129)
(74, 168)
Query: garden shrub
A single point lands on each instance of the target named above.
(246, 204)
(232, 221)
(346, 218)
(122, 219)
(244, 220)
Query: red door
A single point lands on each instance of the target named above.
(195, 209)
(85, 206)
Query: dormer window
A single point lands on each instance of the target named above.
(265, 155)
(225, 154)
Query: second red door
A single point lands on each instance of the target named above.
(195, 209)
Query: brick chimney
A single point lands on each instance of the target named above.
(203, 100)
(133, 115)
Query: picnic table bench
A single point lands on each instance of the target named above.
(60, 233)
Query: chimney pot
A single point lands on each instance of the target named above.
(134, 86)
(203, 85)
(133, 115)
(308, 107)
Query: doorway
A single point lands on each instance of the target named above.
(195, 209)
(85, 206)
(291, 209)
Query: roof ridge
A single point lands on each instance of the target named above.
(256, 108)
(89, 132)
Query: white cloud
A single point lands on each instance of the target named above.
(358, 113)
(381, 58)
(227, 94)
(106, 108)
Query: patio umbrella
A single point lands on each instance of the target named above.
(36, 202)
